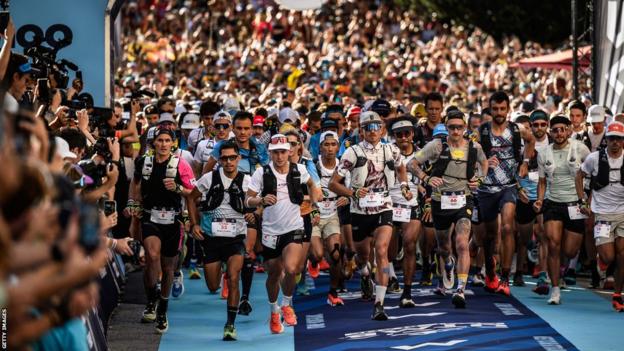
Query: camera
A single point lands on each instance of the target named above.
(89, 218)
(4, 15)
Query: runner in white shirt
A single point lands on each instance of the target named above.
(223, 127)
(606, 168)
(280, 186)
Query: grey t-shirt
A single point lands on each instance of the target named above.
(559, 170)
(455, 175)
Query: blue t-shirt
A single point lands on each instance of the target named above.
(70, 336)
(249, 159)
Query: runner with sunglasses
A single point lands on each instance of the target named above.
(406, 214)
(373, 168)
(452, 179)
(606, 169)
(221, 227)
(558, 164)
(279, 188)
(222, 125)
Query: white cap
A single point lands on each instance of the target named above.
(272, 112)
(595, 114)
(328, 134)
(179, 109)
(222, 115)
(370, 117)
(62, 148)
(166, 117)
(288, 114)
(191, 121)
(279, 142)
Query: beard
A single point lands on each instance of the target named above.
(500, 119)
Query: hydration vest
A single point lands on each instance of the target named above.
(439, 167)
(359, 174)
(604, 169)
(172, 167)
(573, 159)
(587, 141)
(516, 139)
(293, 181)
(215, 195)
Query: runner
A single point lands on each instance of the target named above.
(452, 178)
(373, 168)
(326, 238)
(221, 228)
(606, 170)
(501, 142)
(155, 197)
(406, 214)
(563, 221)
(280, 186)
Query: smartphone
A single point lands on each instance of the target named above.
(110, 207)
(89, 227)
(43, 91)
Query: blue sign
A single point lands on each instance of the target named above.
(84, 21)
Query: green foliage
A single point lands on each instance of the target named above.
(543, 21)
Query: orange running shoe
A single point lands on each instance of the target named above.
(276, 324)
(491, 284)
(314, 271)
(224, 287)
(323, 265)
(334, 300)
(288, 315)
(503, 288)
(617, 303)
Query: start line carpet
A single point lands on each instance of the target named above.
(490, 322)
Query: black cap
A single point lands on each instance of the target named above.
(381, 106)
(537, 115)
(334, 109)
(329, 123)
(150, 109)
(560, 119)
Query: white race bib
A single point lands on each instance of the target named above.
(374, 198)
(453, 201)
(162, 217)
(224, 227)
(327, 207)
(401, 213)
(534, 176)
(269, 241)
(602, 229)
(575, 212)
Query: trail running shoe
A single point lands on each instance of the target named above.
(289, 316)
(194, 273)
(518, 279)
(229, 333)
(313, 270)
(617, 303)
(503, 288)
(349, 267)
(491, 284)
(162, 325)
(323, 265)
(407, 302)
(542, 287)
(149, 313)
(244, 308)
(555, 296)
(366, 284)
(393, 285)
(478, 280)
(334, 300)
(378, 312)
(276, 324)
(448, 272)
(570, 277)
(177, 289)
(459, 300)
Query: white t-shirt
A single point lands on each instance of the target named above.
(284, 216)
(329, 196)
(595, 139)
(610, 199)
(224, 210)
(538, 143)
(395, 191)
(203, 150)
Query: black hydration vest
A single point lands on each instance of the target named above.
(486, 142)
(587, 141)
(439, 167)
(293, 181)
(602, 179)
(217, 191)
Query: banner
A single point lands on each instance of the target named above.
(608, 54)
(80, 31)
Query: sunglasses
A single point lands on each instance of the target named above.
(455, 127)
(540, 125)
(372, 127)
(615, 138)
(402, 135)
(279, 140)
(558, 130)
(294, 143)
(221, 126)
(230, 158)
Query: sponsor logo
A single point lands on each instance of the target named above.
(508, 309)
(420, 329)
(548, 343)
(315, 321)
(418, 346)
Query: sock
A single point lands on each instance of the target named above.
(163, 305)
(391, 270)
(407, 290)
(247, 277)
(505, 274)
(274, 307)
(380, 293)
(286, 300)
(177, 273)
(152, 294)
(231, 314)
(461, 281)
(556, 291)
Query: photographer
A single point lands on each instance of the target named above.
(115, 126)
(103, 168)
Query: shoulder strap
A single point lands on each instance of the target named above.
(472, 161)
(172, 166)
(516, 140)
(148, 165)
(439, 167)
(484, 138)
(269, 181)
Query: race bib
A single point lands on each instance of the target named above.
(534, 176)
(162, 217)
(224, 227)
(602, 229)
(374, 198)
(327, 207)
(575, 212)
(453, 201)
(269, 241)
(401, 213)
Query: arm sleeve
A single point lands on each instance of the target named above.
(313, 173)
(186, 174)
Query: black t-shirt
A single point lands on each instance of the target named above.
(153, 190)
